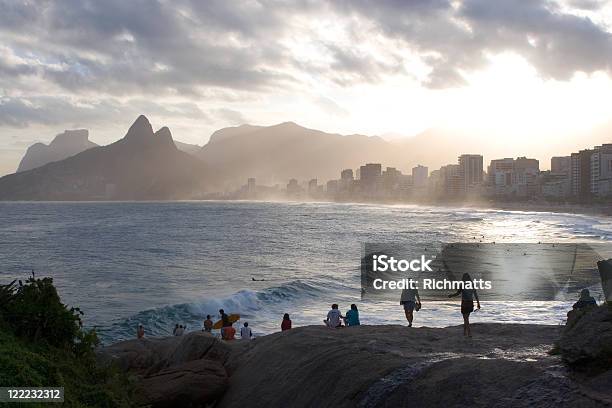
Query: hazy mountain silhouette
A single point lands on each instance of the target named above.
(274, 154)
(64, 145)
(187, 147)
(143, 165)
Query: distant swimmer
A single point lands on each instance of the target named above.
(208, 324)
(333, 317)
(245, 332)
(352, 316)
(467, 304)
(140, 332)
(286, 324)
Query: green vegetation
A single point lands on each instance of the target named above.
(42, 343)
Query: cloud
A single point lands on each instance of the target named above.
(84, 60)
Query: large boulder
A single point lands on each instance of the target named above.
(587, 342)
(173, 371)
(194, 383)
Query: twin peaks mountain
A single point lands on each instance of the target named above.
(143, 165)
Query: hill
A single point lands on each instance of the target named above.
(143, 165)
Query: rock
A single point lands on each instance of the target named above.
(316, 366)
(173, 371)
(194, 383)
(587, 342)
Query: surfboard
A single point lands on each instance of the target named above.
(233, 318)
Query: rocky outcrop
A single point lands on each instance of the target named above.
(503, 365)
(64, 145)
(587, 341)
(173, 371)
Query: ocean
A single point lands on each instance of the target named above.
(162, 263)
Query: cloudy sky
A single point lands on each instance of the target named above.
(515, 69)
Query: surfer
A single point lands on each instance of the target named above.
(411, 300)
(286, 324)
(225, 322)
(140, 332)
(467, 303)
(208, 324)
(352, 316)
(333, 317)
(245, 332)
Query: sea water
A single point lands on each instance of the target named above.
(163, 263)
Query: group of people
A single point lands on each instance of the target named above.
(335, 319)
(410, 300)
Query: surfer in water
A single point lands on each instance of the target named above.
(467, 303)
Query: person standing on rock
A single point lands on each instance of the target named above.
(411, 300)
(140, 332)
(208, 324)
(286, 324)
(175, 329)
(467, 303)
(225, 322)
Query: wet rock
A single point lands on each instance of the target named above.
(587, 341)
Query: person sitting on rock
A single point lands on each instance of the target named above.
(333, 317)
(286, 324)
(245, 332)
(140, 331)
(352, 316)
(585, 300)
(208, 324)
(228, 333)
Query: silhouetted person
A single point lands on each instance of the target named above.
(140, 331)
(333, 317)
(410, 298)
(286, 324)
(352, 316)
(467, 303)
(175, 329)
(585, 300)
(208, 324)
(245, 332)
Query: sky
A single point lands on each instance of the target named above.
(515, 70)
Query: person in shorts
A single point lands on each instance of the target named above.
(410, 300)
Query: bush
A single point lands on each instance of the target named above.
(42, 344)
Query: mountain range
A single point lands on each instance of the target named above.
(143, 165)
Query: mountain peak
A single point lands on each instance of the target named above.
(141, 129)
(164, 137)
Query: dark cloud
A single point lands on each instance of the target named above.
(120, 49)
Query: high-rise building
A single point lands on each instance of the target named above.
(513, 176)
(346, 174)
(251, 185)
(451, 179)
(470, 171)
(560, 164)
(419, 176)
(580, 174)
(293, 187)
(601, 171)
(312, 186)
(370, 175)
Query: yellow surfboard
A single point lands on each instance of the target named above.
(233, 318)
